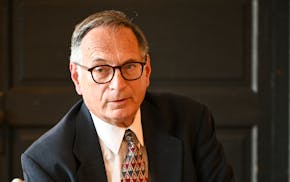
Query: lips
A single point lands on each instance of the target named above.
(118, 103)
(119, 100)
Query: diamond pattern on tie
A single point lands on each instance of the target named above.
(133, 166)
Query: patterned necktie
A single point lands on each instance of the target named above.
(133, 166)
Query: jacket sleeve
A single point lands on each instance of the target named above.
(32, 171)
(210, 156)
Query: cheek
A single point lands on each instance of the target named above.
(96, 92)
(86, 81)
(92, 91)
(94, 97)
(140, 90)
(82, 85)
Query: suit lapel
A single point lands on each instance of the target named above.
(164, 151)
(87, 149)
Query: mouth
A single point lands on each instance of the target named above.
(119, 101)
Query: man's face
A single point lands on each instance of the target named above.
(115, 102)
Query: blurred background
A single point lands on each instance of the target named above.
(232, 55)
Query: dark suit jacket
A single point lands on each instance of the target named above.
(179, 135)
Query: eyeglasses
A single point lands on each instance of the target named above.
(105, 73)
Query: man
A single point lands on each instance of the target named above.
(174, 136)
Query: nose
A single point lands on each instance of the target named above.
(118, 82)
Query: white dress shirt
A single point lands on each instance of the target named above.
(113, 147)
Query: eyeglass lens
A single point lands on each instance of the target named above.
(129, 71)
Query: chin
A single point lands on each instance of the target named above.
(121, 119)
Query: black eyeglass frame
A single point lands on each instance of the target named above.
(114, 68)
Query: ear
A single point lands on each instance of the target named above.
(74, 74)
(147, 70)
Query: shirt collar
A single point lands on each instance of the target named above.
(112, 135)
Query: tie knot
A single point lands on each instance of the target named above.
(130, 137)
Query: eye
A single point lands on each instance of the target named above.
(102, 69)
(129, 66)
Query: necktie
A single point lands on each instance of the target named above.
(133, 166)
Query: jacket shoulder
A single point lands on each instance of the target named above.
(56, 143)
(52, 152)
(171, 101)
(176, 112)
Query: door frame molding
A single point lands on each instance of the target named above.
(273, 158)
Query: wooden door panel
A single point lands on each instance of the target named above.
(4, 154)
(198, 48)
(240, 148)
(39, 106)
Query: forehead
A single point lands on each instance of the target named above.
(110, 44)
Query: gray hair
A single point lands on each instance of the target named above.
(110, 18)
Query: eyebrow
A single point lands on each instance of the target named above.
(106, 61)
(98, 60)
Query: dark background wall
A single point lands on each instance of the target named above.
(231, 55)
